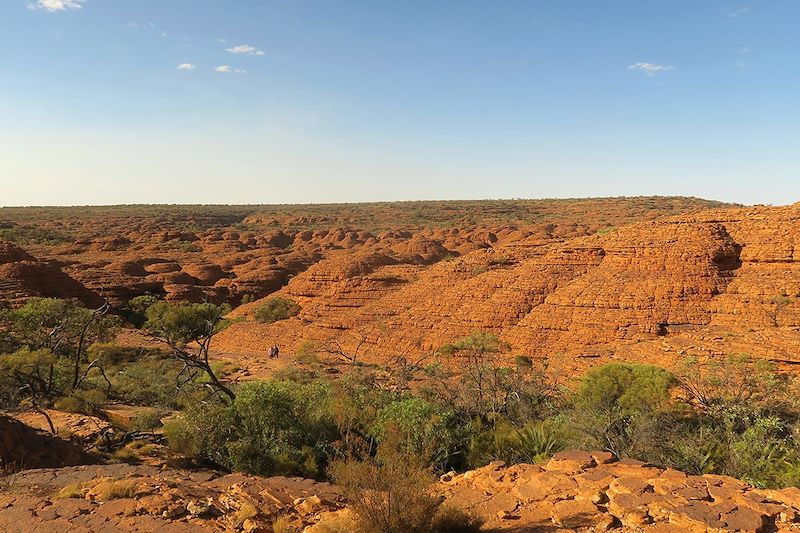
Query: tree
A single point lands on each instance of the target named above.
(188, 330)
(137, 308)
(484, 386)
(32, 375)
(735, 386)
(63, 327)
(618, 404)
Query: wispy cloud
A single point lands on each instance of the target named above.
(221, 40)
(186, 66)
(650, 69)
(55, 5)
(744, 50)
(227, 69)
(245, 49)
(736, 12)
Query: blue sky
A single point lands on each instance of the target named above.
(246, 101)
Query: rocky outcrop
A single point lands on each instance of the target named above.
(575, 491)
(593, 491)
(23, 275)
(125, 498)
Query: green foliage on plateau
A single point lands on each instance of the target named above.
(25, 234)
(275, 309)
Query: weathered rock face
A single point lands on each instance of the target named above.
(712, 283)
(593, 491)
(147, 499)
(23, 276)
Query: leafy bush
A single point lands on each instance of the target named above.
(617, 407)
(87, 402)
(23, 234)
(147, 419)
(534, 442)
(137, 308)
(425, 430)
(142, 377)
(275, 309)
(271, 428)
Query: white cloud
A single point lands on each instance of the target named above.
(186, 66)
(245, 49)
(220, 40)
(164, 34)
(227, 69)
(650, 69)
(744, 50)
(737, 12)
(56, 5)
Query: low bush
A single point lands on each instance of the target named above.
(532, 443)
(391, 493)
(618, 408)
(272, 428)
(274, 309)
(147, 419)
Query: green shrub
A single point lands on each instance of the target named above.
(629, 387)
(275, 309)
(87, 402)
(69, 404)
(147, 419)
(539, 440)
(425, 430)
(143, 377)
(532, 443)
(523, 361)
(617, 407)
(271, 428)
(137, 308)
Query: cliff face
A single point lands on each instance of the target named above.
(711, 283)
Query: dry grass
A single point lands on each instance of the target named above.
(102, 489)
(127, 455)
(112, 490)
(342, 522)
(75, 490)
(284, 524)
(451, 518)
(247, 511)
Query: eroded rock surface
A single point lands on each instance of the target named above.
(124, 498)
(593, 491)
